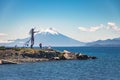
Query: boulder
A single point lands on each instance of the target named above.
(7, 62)
(82, 57)
(68, 55)
(0, 61)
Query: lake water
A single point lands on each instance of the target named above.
(106, 67)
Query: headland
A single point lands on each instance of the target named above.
(20, 55)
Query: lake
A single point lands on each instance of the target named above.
(106, 67)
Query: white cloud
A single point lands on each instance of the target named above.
(110, 25)
(83, 29)
(113, 26)
(3, 34)
(5, 41)
(91, 29)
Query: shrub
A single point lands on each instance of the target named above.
(28, 50)
(2, 48)
(16, 49)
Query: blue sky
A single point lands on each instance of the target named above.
(83, 20)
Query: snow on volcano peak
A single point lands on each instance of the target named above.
(49, 30)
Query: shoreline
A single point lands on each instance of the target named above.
(21, 55)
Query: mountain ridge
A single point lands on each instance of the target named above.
(115, 42)
(51, 37)
(48, 37)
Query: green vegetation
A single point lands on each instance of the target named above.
(2, 48)
(41, 51)
(16, 49)
(29, 50)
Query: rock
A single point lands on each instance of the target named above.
(82, 57)
(92, 57)
(6, 62)
(10, 56)
(65, 51)
(0, 61)
(55, 58)
(68, 55)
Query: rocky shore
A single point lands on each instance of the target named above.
(19, 55)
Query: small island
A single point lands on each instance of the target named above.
(20, 55)
(16, 55)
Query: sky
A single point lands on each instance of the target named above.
(83, 20)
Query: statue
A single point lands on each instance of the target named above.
(32, 36)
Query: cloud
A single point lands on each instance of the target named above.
(110, 25)
(91, 29)
(113, 26)
(5, 41)
(3, 34)
(83, 29)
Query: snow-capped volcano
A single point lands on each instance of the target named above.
(49, 30)
(53, 38)
(49, 37)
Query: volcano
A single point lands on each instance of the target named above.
(48, 37)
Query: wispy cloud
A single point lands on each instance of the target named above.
(91, 29)
(5, 41)
(110, 25)
(3, 34)
(113, 26)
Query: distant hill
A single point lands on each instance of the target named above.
(105, 43)
(48, 37)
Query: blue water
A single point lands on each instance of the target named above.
(106, 67)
